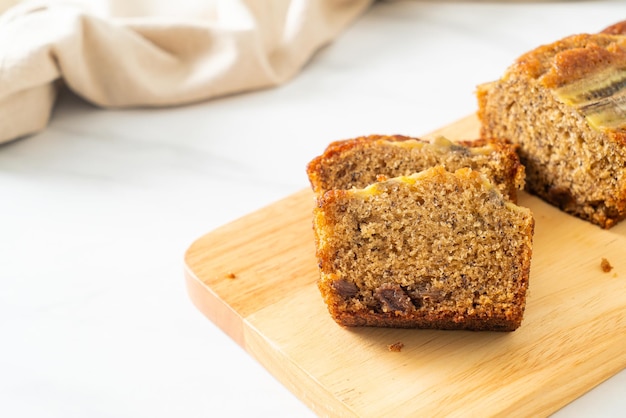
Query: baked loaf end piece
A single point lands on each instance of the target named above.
(361, 161)
(563, 104)
(432, 250)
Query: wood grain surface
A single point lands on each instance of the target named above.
(255, 278)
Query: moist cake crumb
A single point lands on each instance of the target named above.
(435, 249)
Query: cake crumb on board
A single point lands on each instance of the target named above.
(396, 347)
(605, 265)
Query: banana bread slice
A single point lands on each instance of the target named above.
(361, 161)
(564, 104)
(436, 249)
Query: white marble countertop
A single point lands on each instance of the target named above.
(97, 211)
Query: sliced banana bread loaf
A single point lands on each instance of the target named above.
(564, 104)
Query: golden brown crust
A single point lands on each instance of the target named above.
(618, 28)
(442, 321)
(572, 58)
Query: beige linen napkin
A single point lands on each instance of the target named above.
(119, 53)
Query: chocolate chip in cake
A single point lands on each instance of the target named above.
(393, 298)
(345, 289)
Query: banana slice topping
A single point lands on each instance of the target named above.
(600, 97)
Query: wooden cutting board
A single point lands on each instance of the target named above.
(255, 278)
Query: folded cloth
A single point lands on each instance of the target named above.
(119, 53)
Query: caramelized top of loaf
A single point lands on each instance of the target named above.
(618, 28)
(361, 161)
(572, 58)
